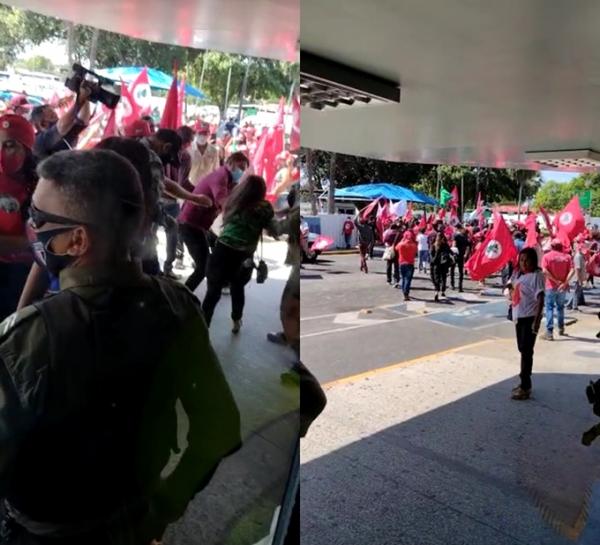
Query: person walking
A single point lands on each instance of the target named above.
(348, 229)
(390, 240)
(246, 215)
(423, 249)
(365, 240)
(407, 252)
(580, 274)
(526, 290)
(557, 267)
(462, 245)
(441, 259)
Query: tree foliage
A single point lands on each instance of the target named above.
(38, 63)
(267, 79)
(554, 195)
(496, 185)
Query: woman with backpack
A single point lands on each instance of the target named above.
(245, 215)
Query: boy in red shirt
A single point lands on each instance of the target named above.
(407, 251)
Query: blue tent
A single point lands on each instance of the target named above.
(385, 190)
(157, 79)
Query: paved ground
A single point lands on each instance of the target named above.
(238, 506)
(420, 442)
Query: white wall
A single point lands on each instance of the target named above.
(331, 226)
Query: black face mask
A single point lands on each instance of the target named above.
(46, 258)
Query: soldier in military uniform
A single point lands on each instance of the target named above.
(94, 378)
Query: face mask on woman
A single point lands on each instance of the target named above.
(236, 174)
(201, 139)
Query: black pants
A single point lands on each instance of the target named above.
(172, 232)
(439, 275)
(392, 265)
(226, 266)
(197, 245)
(525, 343)
(460, 265)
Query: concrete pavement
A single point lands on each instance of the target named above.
(424, 445)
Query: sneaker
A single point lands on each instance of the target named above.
(406, 297)
(520, 395)
(237, 325)
(436, 298)
(561, 332)
(548, 336)
(277, 338)
(443, 294)
(397, 285)
(179, 265)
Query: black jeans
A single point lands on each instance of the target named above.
(392, 264)
(439, 275)
(460, 265)
(226, 266)
(525, 342)
(172, 210)
(197, 245)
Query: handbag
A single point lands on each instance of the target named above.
(262, 271)
(389, 253)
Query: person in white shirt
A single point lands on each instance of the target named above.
(423, 249)
(580, 275)
(205, 156)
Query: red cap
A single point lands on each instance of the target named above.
(137, 128)
(201, 127)
(18, 128)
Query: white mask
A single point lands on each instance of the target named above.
(201, 139)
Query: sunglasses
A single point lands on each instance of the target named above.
(38, 218)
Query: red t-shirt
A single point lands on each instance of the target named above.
(14, 196)
(407, 252)
(348, 227)
(558, 265)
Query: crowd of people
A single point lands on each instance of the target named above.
(98, 342)
(548, 273)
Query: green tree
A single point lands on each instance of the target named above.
(554, 195)
(38, 63)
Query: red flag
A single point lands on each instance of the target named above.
(181, 102)
(368, 210)
(496, 251)
(442, 213)
(259, 155)
(409, 213)
(321, 243)
(532, 236)
(383, 218)
(454, 201)
(169, 117)
(570, 221)
(423, 222)
(454, 216)
(280, 112)
(295, 136)
(140, 89)
(111, 125)
(131, 107)
(547, 221)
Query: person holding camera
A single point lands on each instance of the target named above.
(55, 134)
(246, 214)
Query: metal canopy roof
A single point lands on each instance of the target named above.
(259, 28)
(482, 81)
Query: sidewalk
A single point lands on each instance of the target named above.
(433, 451)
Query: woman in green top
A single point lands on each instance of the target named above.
(245, 215)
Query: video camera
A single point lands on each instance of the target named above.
(103, 89)
(593, 394)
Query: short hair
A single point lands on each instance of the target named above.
(101, 188)
(531, 255)
(169, 136)
(186, 134)
(238, 157)
(37, 113)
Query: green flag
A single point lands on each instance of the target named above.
(585, 199)
(445, 196)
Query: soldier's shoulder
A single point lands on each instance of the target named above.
(176, 291)
(19, 321)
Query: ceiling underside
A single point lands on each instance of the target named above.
(258, 28)
(482, 81)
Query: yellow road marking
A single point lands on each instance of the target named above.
(403, 364)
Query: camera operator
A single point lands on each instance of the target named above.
(57, 134)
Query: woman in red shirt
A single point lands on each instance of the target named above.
(407, 251)
(17, 182)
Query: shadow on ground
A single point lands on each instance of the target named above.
(480, 470)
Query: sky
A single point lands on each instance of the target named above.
(556, 176)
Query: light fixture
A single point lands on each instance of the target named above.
(328, 83)
(566, 159)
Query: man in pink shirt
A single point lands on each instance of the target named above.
(195, 222)
(557, 269)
